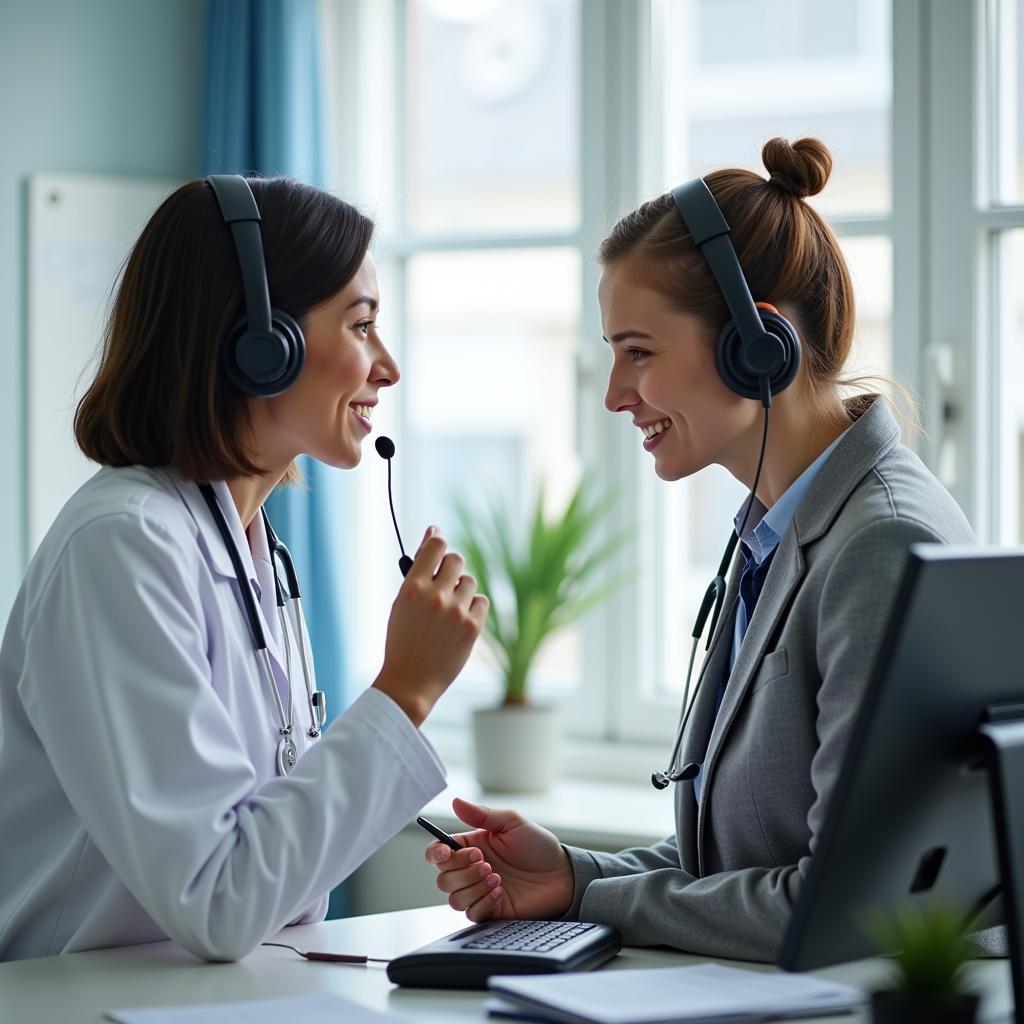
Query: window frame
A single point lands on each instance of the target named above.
(964, 222)
(942, 227)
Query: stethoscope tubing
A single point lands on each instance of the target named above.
(716, 591)
(278, 550)
(317, 708)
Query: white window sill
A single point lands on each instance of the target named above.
(580, 757)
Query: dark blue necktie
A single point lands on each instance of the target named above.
(752, 580)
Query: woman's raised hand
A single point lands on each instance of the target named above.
(509, 867)
(434, 623)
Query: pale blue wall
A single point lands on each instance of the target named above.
(91, 86)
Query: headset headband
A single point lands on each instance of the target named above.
(264, 352)
(710, 233)
(241, 214)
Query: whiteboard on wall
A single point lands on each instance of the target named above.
(80, 229)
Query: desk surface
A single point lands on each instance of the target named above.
(79, 987)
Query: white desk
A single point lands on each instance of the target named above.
(80, 986)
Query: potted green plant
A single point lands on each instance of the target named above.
(929, 957)
(538, 582)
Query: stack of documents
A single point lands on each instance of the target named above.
(704, 992)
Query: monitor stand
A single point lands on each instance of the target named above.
(1003, 735)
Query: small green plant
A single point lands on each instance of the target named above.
(930, 951)
(539, 583)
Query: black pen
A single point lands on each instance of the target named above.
(439, 833)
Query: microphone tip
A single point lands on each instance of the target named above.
(385, 447)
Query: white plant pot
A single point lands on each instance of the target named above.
(515, 747)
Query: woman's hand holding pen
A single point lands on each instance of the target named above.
(509, 867)
(435, 620)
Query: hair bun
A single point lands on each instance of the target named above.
(800, 168)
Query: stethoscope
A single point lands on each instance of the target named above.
(714, 598)
(287, 752)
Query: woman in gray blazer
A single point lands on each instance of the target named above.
(838, 501)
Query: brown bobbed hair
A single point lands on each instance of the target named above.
(788, 254)
(161, 395)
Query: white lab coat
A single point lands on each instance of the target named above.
(140, 799)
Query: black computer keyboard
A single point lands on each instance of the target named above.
(533, 936)
(467, 958)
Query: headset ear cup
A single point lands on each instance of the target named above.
(263, 365)
(234, 344)
(296, 342)
(737, 377)
(727, 359)
(781, 328)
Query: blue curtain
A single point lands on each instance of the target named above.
(263, 113)
(262, 91)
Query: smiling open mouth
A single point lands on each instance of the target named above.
(363, 414)
(654, 432)
(656, 428)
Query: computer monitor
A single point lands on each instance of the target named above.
(929, 803)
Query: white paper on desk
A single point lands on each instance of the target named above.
(703, 992)
(314, 1008)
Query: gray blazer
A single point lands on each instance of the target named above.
(725, 883)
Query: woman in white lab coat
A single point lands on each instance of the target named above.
(161, 760)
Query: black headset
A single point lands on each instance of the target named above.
(758, 349)
(265, 349)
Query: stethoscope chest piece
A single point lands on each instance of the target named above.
(287, 755)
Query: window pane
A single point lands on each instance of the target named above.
(743, 71)
(1010, 321)
(1018, 52)
(492, 128)
(794, 29)
(1006, 105)
(509, 320)
(870, 263)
